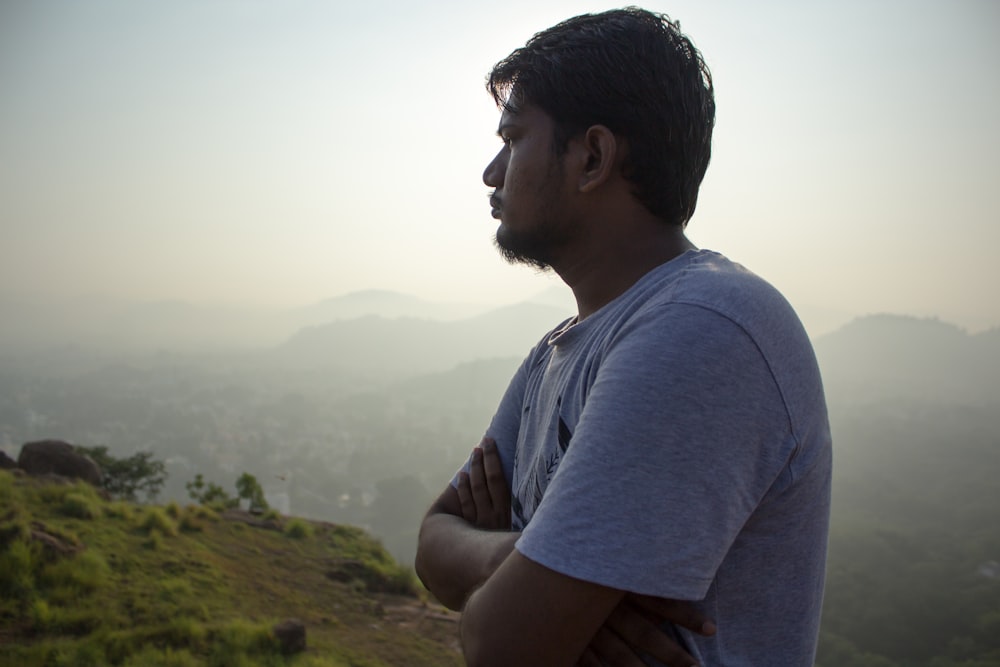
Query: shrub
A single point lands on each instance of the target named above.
(299, 529)
(203, 512)
(241, 636)
(208, 494)
(119, 510)
(124, 478)
(80, 506)
(155, 541)
(249, 489)
(6, 488)
(156, 519)
(14, 529)
(41, 615)
(17, 571)
(172, 509)
(82, 573)
(190, 524)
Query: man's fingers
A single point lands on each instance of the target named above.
(678, 612)
(642, 635)
(607, 648)
(496, 483)
(465, 498)
(477, 481)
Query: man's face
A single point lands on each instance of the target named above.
(529, 197)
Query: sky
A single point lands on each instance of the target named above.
(280, 153)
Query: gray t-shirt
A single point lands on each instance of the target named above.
(676, 443)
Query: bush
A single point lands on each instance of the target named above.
(83, 573)
(299, 529)
(41, 615)
(155, 519)
(241, 636)
(154, 542)
(6, 488)
(17, 571)
(119, 510)
(208, 494)
(189, 523)
(124, 478)
(203, 512)
(249, 489)
(16, 528)
(80, 506)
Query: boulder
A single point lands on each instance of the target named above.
(6, 463)
(56, 457)
(291, 636)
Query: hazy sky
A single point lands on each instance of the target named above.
(285, 152)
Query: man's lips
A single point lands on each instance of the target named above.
(495, 206)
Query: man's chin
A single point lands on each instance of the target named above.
(514, 253)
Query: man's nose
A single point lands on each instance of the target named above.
(495, 171)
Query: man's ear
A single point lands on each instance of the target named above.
(600, 152)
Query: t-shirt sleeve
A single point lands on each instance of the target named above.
(682, 433)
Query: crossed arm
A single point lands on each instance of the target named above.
(518, 612)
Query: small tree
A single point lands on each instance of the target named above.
(208, 494)
(124, 478)
(249, 489)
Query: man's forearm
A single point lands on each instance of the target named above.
(454, 557)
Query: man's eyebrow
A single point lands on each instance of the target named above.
(504, 126)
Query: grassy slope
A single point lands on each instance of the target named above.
(185, 586)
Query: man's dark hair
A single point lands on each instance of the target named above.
(636, 73)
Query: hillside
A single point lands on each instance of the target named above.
(85, 581)
(896, 357)
(409, 346)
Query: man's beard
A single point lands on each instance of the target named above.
(520, 250)
(538, 246)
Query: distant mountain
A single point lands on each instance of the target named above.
(409, 345)
(898, 357)
(106, 323)
(383, 303)
(558, 295)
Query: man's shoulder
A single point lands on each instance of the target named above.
(708, 280)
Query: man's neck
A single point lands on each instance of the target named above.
(613, 265)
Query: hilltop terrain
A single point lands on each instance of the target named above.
(86, 581)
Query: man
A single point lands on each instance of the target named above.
(667, 451)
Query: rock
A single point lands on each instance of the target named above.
(52, 542)
(291, 636)
(60, 458)
(7, 463)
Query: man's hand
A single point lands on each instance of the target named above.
(466, 535)
(483, 491)
(633, 629)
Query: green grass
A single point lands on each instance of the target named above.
(122, 584)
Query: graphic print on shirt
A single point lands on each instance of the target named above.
(530, 488)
